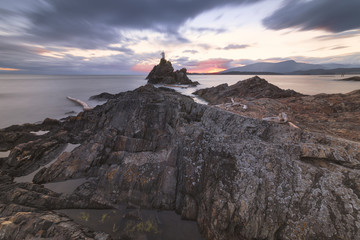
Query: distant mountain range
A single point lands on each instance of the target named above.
(292, 67)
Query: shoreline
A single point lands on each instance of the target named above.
(155, 148)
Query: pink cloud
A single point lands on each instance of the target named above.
(141, 67)
(209, 66)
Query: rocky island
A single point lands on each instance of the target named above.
(236, 175)
(164, 73)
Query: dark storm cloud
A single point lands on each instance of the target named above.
(91, 22)
(14, 55)
(28, 60)
(330, 15)
(4, 13)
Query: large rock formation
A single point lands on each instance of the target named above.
(164, 73)
(238, 177)
(335, 114)
(251, 88)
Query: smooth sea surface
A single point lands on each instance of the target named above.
(32, 98)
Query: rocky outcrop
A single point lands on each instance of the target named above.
(334, 114)
(238, 177)
(355, 78)
(251, 88)
(163, 73)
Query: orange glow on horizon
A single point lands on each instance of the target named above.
(209, 66)
(215, 70)
(9, 69)
(207, 70)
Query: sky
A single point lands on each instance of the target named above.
(127, 36)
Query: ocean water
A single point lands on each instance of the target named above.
(32, 98)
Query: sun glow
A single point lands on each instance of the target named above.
(9, 69)
(215, 70)
(206, 70)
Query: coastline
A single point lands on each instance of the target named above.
(45, 97)
(155, 148)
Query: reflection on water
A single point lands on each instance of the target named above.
(67, 186)
(138, 224)
(29, 177)
(32, 98)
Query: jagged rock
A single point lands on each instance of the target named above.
(251, 88)
(164, 74)
(18, 222)
(17, 134)
(238, 177)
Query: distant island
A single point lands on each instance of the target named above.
(290, 68)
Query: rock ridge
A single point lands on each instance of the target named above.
(334, 114)
(252, 88)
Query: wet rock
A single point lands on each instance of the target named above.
(251, 88)
(25, 223)
(164, 73)
(134, 215)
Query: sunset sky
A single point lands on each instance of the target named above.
(127, 37)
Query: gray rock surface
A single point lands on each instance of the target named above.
(238, 177)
